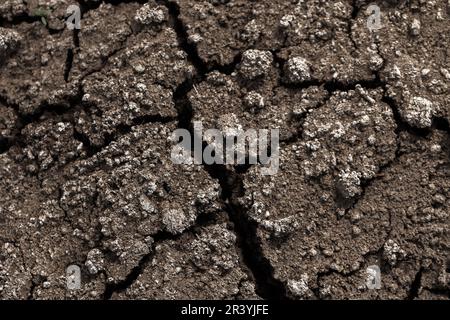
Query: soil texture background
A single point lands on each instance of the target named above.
(86, 176)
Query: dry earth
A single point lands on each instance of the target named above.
(86, 178)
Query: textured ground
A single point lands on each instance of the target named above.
(86, 176)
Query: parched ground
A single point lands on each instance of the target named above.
(86, 177)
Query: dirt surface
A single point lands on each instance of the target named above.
(86, 122)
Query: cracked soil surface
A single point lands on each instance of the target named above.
(86, 178)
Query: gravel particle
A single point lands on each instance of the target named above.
(287, 21)
(375, 62)
(349, 184)
(95, 261)
(254, 101)
(147, 15)
(299, 288)
(9, 42)
(195, 38)
(415, 27)
(175, 221)
(255, 64)
(297, 70)
(445, 73)
(251, 32)
(392, 252)
(418, 112)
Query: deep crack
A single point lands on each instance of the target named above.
(416, 285)
(160, 237)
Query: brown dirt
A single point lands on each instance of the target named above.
(86, 178)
